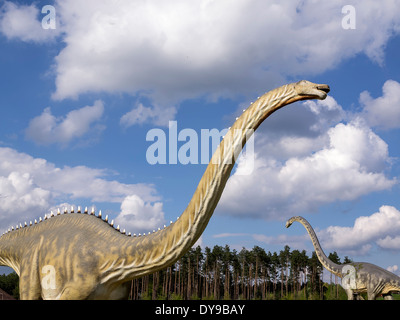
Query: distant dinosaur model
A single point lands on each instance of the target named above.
(366, 277)
(79, 256)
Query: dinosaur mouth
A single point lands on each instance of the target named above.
(324, 87)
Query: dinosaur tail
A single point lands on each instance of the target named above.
(325, 261)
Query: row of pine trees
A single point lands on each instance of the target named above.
(222, 273)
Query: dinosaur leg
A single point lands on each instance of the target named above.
(371, 295)
(29, 285)
(121, 292)
(71, 292)
(27, 291)
(350, 294)
(79, 288)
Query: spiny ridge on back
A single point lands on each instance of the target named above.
(65, 211)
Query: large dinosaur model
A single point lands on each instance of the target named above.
(363, 276)
(79, 256)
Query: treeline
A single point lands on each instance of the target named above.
(9, 283)
(222, 273)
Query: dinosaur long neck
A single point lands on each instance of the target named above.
(325, 261)
(159, 250)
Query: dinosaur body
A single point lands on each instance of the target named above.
(365, 277)
(79, 256)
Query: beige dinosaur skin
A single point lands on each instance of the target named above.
(368, 277)
(79, 256)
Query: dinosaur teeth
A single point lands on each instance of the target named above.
(118, 228)
(106, 218)
(86, 210)
(58, 211)
(112, 223)
(40, 219)
(92, 212)
(79, 209)
(99, 214)
(51, 214)
(35, 221)
(72, 209)
(65, 210)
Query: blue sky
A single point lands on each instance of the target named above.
(78, 101)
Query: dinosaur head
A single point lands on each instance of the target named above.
(290, 221)
(308, 90)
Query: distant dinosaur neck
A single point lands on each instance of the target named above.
(158, 250)
(325, 261)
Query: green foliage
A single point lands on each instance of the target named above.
(224, 274)
(10, 284)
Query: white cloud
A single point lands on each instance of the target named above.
(393, 268)
(141, 114)
(381, 228)
(208, 47)
(389, 242)
(19, 194)
(47, 129)
(173, 51)
(30, 187)
(345, 162)
(326, 113)
(140, 216)
(24, 22)
(383, 112)
(178, 50)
